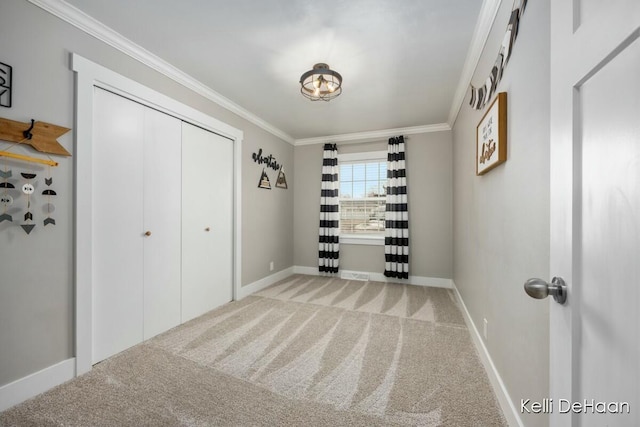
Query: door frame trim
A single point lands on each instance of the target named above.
(89, 75)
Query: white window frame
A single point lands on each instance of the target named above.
(362, 239)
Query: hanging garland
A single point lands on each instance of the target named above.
(480, 96)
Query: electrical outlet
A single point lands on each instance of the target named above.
(271, 266)
(485, 328)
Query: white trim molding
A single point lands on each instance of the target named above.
(374, 135)
(504, 399)
(436, 282)
(363, 156)
(95, 28)
(362, 239)
(32, 385)
(309, 271)
(488, 13)
(100, 31)
(88, 76)
(265, 282)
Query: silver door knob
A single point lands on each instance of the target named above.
(540, 289)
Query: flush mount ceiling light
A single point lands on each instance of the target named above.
(321, 83)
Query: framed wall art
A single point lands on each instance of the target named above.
(6, 75)
(491, 136)
(264, 181)
(281, 182)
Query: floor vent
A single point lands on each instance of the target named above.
(353, 275)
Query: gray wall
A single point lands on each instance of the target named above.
(429, 182)
(36, 285)
(501, 219)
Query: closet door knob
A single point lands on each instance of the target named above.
(207, 229)
(148, 233)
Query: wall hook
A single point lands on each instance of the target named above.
(39, 135)
(27, 133)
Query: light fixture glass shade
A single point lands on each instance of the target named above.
(321, 83)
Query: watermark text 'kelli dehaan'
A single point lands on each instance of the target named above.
(565, 406)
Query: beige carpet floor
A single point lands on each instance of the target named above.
(307, 351)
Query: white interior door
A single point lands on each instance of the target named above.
(595, 211)
(117, 224)
(162, 222)
(207, 221)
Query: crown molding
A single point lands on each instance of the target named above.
(488, 13)
(373, 135)
(95, 28)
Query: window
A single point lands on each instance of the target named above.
(363, 186)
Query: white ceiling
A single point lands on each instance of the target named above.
(401, 60)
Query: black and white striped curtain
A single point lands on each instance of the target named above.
(396, 240)
(329, 247)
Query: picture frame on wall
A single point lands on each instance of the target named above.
(491, 136)
(281, 181)
(264, 181)
(6, 75)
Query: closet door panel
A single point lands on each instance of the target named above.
(117, 224)
(207, 221)
(162, 221)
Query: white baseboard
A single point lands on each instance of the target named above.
(506, 404)
(310, 271)
(258, 285)
(32, 385)
(435, 282)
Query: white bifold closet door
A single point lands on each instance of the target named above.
(162, 217)
(136, 223)
(207, 221)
